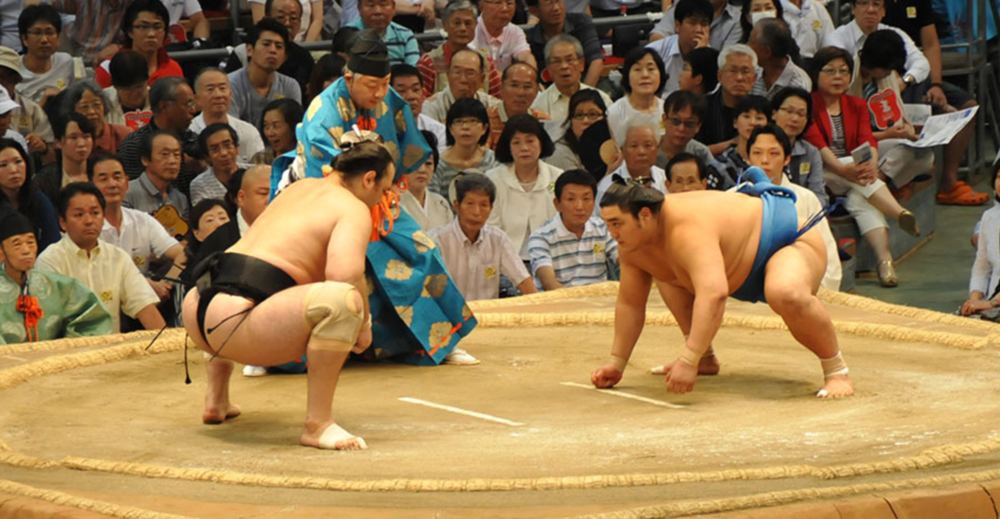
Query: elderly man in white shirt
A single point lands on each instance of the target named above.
(502, 40)
(868, 16)
(214, 97)
(564, 60)
(466, 74)
(477, 254)
(640, 152)
(105, 269)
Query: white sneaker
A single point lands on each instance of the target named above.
(254, 371)
(460, 357)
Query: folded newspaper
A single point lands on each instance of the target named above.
(941, 129)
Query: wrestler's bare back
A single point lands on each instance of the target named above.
(294, 232)
(696, 221)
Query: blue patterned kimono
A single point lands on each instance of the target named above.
(418, 315)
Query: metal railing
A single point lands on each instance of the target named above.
(428, 36)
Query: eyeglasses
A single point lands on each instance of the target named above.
(589, 116)
(225, 146)
(689, 124)
(287, 19)
(835, 71)
(468, 121)
(145, 27)
(50, 33)
(790, 111)
(557, 62)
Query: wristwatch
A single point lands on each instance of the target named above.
(909, 79)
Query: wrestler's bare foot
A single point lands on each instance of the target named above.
(218, 409)
(218, 412)
(837, 386)
(709, 365)
(329, 435)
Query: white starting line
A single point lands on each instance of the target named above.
(451, 409)
(625, 395)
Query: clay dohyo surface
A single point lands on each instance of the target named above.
(759, 413)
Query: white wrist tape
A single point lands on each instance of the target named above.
(833, 367)
(690, 357)
(619, 362)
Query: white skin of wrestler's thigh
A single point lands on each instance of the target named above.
(276, 331)
(791, 281)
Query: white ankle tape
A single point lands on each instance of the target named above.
(833, 367)
(690, 357)
(619, 362)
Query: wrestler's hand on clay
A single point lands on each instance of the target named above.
(680, 377)
(605, 377)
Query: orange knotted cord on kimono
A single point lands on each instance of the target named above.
(33, 313)
(386, 211)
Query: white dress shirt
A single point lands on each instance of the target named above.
(476, 267)
(141, 236)
(501, 49)
(554, 103)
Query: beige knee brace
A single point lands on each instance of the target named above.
(335, 312)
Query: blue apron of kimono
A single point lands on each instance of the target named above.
(418, 315)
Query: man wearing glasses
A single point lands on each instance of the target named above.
(737, 75)
(502, 40)
(44, 72)
(683, 112)
(145, 31)
(97, 29)
(553, 22)
(564, 60)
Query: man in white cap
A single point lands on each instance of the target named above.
(28, 119)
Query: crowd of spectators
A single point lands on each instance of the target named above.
(120, 166)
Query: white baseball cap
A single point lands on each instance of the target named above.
(6, 103)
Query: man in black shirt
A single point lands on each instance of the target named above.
(554, 20)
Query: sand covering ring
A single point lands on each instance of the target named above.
(753, 436)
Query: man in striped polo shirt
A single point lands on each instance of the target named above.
(573, 248)
(377, 15)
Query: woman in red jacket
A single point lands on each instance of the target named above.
(841, 126)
